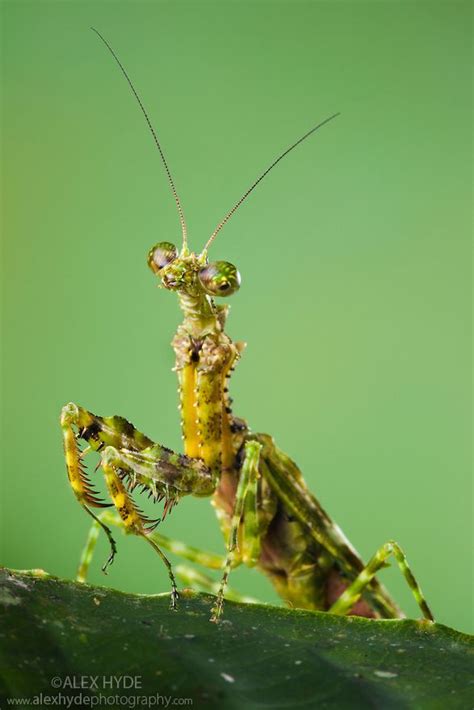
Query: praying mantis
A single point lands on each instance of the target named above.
(268, 517)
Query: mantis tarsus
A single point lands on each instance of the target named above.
(268, 516)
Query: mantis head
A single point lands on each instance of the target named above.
(192, 273)
(188, 273)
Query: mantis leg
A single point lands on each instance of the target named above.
(245, 505)
(133, 520)
(327, 539)
(88, 550)
(152, 465)
(198, 580)
(128, 455)
(187, 575)
(187, 552)
(351, 595)
(91, 542)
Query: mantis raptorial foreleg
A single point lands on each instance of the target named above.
(126, 454)
(245, 505)
(151, 465)
(245, 511)
(133, 519)
(353, 592)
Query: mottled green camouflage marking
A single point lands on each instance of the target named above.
(268, 516)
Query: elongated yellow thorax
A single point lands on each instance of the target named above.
(203, 366)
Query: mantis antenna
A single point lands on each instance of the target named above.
(259, 179)
(155, 138)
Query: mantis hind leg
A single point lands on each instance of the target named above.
(353, 592)
(325, 541)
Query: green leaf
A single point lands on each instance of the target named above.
(56, 634)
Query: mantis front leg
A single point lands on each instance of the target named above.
(129, 456)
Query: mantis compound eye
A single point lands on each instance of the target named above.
(161, 255)
(220, 278)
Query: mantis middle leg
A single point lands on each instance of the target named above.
(245, 513)
(187, 552)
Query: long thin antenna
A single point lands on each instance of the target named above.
(155, 138)
(252, 188)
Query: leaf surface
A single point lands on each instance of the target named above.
(257, 657)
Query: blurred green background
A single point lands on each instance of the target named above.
(354, 257)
